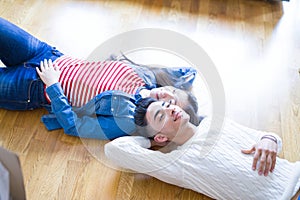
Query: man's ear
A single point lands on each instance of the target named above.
(160, 138)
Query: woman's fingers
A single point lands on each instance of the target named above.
(46, 65)
(42, 68)
(50, 63)
(48, 73)
(38, 71)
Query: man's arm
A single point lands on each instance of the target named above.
(131, 152)
(277, 138)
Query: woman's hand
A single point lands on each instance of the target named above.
(48, 73)
(265, 152)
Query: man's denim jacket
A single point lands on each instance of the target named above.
(108, 115)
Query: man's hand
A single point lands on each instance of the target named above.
(48, 73)
(265, 151)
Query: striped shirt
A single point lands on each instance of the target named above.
(82, 80)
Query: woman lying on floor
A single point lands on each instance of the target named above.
(86, 99)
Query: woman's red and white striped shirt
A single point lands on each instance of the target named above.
(82, 80)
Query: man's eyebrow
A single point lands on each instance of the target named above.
(158, 111)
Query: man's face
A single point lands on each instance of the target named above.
(170, 94)
(166, 118)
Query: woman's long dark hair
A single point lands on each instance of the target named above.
(162, 75)
(163, 78)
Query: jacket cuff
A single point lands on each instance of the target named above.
(54, 91)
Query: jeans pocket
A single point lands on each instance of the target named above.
(31, 64)
(19, 88)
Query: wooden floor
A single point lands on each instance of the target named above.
(254, 44)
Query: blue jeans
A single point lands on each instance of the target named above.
(20, 86)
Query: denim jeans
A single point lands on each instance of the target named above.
(20, 86)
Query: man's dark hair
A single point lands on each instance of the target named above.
(140, 111)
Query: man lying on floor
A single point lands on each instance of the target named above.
(220, 169)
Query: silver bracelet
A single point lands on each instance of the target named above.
(270, 137)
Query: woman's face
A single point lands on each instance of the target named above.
(170, 94)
